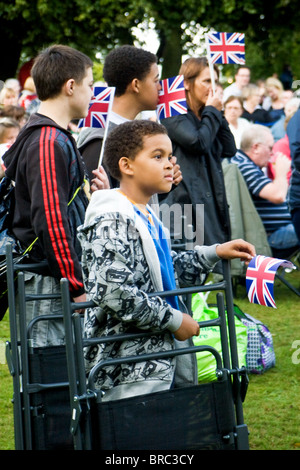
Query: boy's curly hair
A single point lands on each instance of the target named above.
(126, 140)
(124, 64)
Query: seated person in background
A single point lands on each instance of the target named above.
(242, 79)
(262, 91)
(8, 96)
(28, 94)
(16, 112)
(233, 109)
(283, 145)
(293, 132)
(126, 256)
(253, 112)
(274, 90)
(278, 129)
(9, 130)
(14, 84)
(286, 96)
(269, 196)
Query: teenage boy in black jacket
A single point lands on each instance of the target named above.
(49, 178)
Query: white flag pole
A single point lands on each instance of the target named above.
(106, 127)
(211, 67)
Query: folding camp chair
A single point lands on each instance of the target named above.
(206, 416)
(40, 381)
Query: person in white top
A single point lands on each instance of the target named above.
(242, 79)
(233, 109)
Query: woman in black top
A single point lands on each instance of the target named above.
(201, 138)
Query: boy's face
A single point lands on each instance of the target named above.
(83, 93)
(149, 89)
(152, 169)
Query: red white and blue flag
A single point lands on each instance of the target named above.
(226, 48)
(99, 107)
(260, 277)
(172, 99)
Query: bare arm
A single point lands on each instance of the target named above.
(188, 328)
(236, 249)
(276, 190)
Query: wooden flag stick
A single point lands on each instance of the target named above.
(211, 66)
(106, 127)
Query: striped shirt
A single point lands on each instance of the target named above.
(273, 216)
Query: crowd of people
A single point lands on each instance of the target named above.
(99, 227)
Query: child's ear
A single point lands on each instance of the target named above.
(69, 87)
(135, 85)
(125, 166)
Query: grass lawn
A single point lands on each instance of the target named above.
(6, 391)
(272, 405)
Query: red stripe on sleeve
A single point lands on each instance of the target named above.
(52, 208)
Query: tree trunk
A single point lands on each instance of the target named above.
(11, 39)
(170, 52)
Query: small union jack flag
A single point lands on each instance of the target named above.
(260, 279)
(226, 48)
(172, 99)
(99, 107)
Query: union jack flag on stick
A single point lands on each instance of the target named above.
(226, 48)
(98, 113)
(172, 99)
(99, 108)
(260, 279)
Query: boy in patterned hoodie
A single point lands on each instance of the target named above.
(126, 256)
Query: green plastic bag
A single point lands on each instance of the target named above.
(211, 336)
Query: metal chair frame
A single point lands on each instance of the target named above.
(81, 391)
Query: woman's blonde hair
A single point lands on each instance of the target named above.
(7, 92)
(272, 81)
(249, 90)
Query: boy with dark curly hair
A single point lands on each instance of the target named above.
(135, 75)
(126, 256)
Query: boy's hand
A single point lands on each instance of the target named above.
(177, 175)
(188, 328)
(80, 298)
(100, 181)
(236, 249)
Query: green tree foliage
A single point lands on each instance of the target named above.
(271, 28)
(26, 26)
